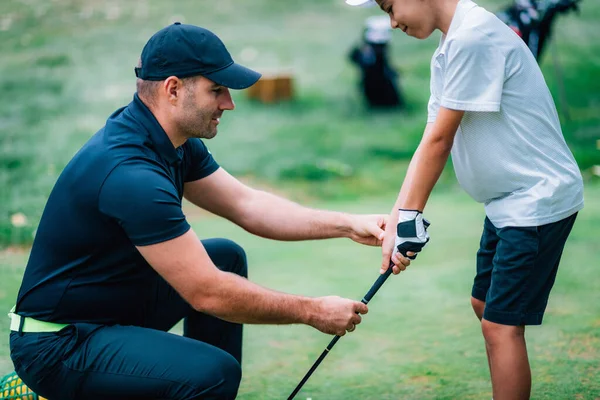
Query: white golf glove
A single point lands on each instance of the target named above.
(411, 232)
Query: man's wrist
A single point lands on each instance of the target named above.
(345, 225)
(308, 310)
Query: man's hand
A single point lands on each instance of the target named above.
(368, 229)
(403, 242)
(336, 316)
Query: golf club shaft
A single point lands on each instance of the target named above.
(380, 280)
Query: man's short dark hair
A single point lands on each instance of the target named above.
(147, 89)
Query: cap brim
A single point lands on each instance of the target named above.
(361, 3)
(235, 76)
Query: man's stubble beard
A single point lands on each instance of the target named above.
(197, 122)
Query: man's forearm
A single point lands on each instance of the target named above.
(185, 264)
(239, 300)
(273, 217)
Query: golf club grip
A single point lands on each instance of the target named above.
(382, 278)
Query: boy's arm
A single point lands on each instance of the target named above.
(423, 172)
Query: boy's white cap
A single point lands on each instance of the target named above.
(362, 3)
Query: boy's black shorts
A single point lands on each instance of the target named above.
(516, 268)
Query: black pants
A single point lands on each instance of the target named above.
(89, 362)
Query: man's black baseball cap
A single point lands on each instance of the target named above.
(183, 50)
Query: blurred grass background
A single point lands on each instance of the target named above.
(65, 65)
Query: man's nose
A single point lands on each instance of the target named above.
(227, 103)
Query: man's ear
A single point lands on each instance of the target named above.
(172, 87)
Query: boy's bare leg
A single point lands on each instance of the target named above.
(507, 357)
(479, 307)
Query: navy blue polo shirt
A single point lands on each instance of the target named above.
(123, 188)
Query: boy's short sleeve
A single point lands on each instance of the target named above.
(142, 199)
(199, 162)
(433, 107)
(474, 74)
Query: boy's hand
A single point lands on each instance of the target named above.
(411, 232)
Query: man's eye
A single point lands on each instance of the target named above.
(389, 11)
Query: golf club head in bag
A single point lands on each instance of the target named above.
(379, 80)
(532, 20)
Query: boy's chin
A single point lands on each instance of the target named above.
(421, 34)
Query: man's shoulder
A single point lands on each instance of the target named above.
(130, 173)
(122, 140)
(114, 144)
(136, 181)
(113, 149)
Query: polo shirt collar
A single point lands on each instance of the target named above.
(157, 135)
(462, 8)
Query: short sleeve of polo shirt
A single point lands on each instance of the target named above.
(435, 87)
(199, 163)
(143, 200)
(433, 107)
(474, 74)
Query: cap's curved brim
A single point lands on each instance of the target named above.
(361, 3)
(235, 76)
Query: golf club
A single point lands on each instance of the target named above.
(380, 280)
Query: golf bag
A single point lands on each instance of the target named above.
(378, 81)
(532, 20)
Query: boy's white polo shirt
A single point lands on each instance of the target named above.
(509, 152)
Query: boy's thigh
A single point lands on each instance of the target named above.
(127, 362)
(516, 269)
(485, 261)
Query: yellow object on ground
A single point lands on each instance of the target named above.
(13, 388)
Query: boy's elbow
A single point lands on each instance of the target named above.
(440, 144)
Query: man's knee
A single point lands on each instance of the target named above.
(227, 379)
(497, 334)
(241, 261)
(478, 307)
(223, 382)
(227, 255)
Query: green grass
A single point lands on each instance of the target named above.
(420, 339)
(67, 64)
